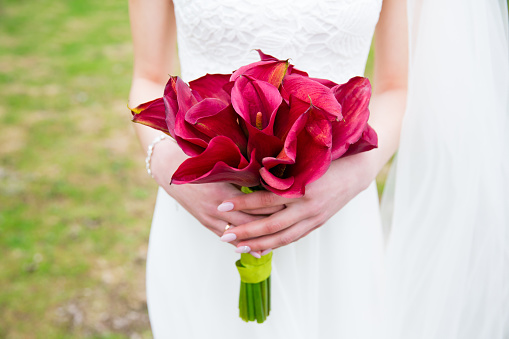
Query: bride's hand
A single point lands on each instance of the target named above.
(344, 180)
(201, 200)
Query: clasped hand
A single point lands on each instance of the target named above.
(291, 219)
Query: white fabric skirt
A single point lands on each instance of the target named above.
(326, 285)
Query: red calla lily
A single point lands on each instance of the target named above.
(314, 93)
(269, 69)
(256, 102)
(151, 114)
(212, 86)
(221, 161)
(354, 99)
(266, 124)
(306, 156)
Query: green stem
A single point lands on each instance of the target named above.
(243, 302)
(258, 303)
(265, 298)
(250, 302)
(269, 289)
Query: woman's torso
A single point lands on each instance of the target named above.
(327, 39)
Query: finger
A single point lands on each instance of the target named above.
(279, 239)
(252, 201)
(256, 254)
(269, 225)
(265, 210)
(238, 218)
(217, 223)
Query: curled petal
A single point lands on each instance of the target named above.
(265, 57)
(151, 114)
(206, 108)
(220, 120)
(185, 96)
(271, 71)
(264, 145)
(275, 182)
(306, 155)
(192, 140)
(170, 104)
(368, 141)
(325, 82)
(256, 102)
(211, 86)
(220, 162)
(354, 98)
(313, 92)
(287, 115)
(293, 70)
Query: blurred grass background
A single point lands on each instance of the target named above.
(75, 200)
(75, 203)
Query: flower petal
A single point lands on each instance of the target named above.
(368, 141)
(325, 82)
(293, 70)
(312, 139)
(314, 93)
(151, 114)
(287, 115)
(206, 108)
(220, 162)
(354, 98)
(211, 86)
(263, 144)
(191, 140)
(171, 104)
(185, 96)
(213, 118)
(265, 57)
(250, 97)
(271, 71)
(277, 183)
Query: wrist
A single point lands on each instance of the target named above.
(362, 168)
(165, 159)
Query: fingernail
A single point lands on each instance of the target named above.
(243, 249)
(225, 207)
(229, 237)
(267, 251)
(255, 254)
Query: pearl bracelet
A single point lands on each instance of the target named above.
(150, 149)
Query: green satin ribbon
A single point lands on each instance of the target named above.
(254, 270)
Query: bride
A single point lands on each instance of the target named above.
(330, 282)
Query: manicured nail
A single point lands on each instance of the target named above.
(243, 249)
(225, 207)
(229, 237)
(267, 251)
(255, 254)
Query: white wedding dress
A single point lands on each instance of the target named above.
(327, 285)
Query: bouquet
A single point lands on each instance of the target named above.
(266, 126)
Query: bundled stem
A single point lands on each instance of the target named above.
(254, 297)
(254, 301)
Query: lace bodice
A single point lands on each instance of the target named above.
(326, 38)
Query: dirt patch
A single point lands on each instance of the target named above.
(12, 139)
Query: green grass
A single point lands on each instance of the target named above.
(74, 199)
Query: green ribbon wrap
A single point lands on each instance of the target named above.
(252, 270)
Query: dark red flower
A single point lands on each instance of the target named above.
(266, 124)
(354, 98)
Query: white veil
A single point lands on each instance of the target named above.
(448, 248)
